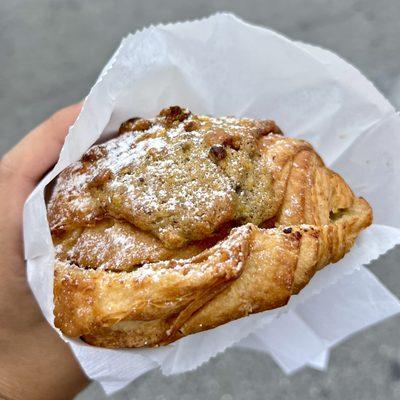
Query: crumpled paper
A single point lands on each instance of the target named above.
(222, 65)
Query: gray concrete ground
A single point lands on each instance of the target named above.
(51, 53)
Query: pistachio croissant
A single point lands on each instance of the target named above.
(185, 222)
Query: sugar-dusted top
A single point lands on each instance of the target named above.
(179, 176)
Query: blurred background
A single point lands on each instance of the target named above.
(50, 55)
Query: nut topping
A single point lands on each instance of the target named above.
(94, 154)
(174, 113)
(218, 152)
(135, 124)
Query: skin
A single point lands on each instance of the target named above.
(35, 363)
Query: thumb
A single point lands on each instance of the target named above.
(28, 161)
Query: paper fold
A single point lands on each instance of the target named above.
(223, 66)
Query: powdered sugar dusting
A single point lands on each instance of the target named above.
(164, 179)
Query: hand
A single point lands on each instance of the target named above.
(34, 361)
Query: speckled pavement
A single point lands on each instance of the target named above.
(51, 52)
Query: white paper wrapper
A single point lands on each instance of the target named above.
(224, 66)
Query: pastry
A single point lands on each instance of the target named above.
(185, 222)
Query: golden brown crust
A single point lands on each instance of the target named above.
(123, 279)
